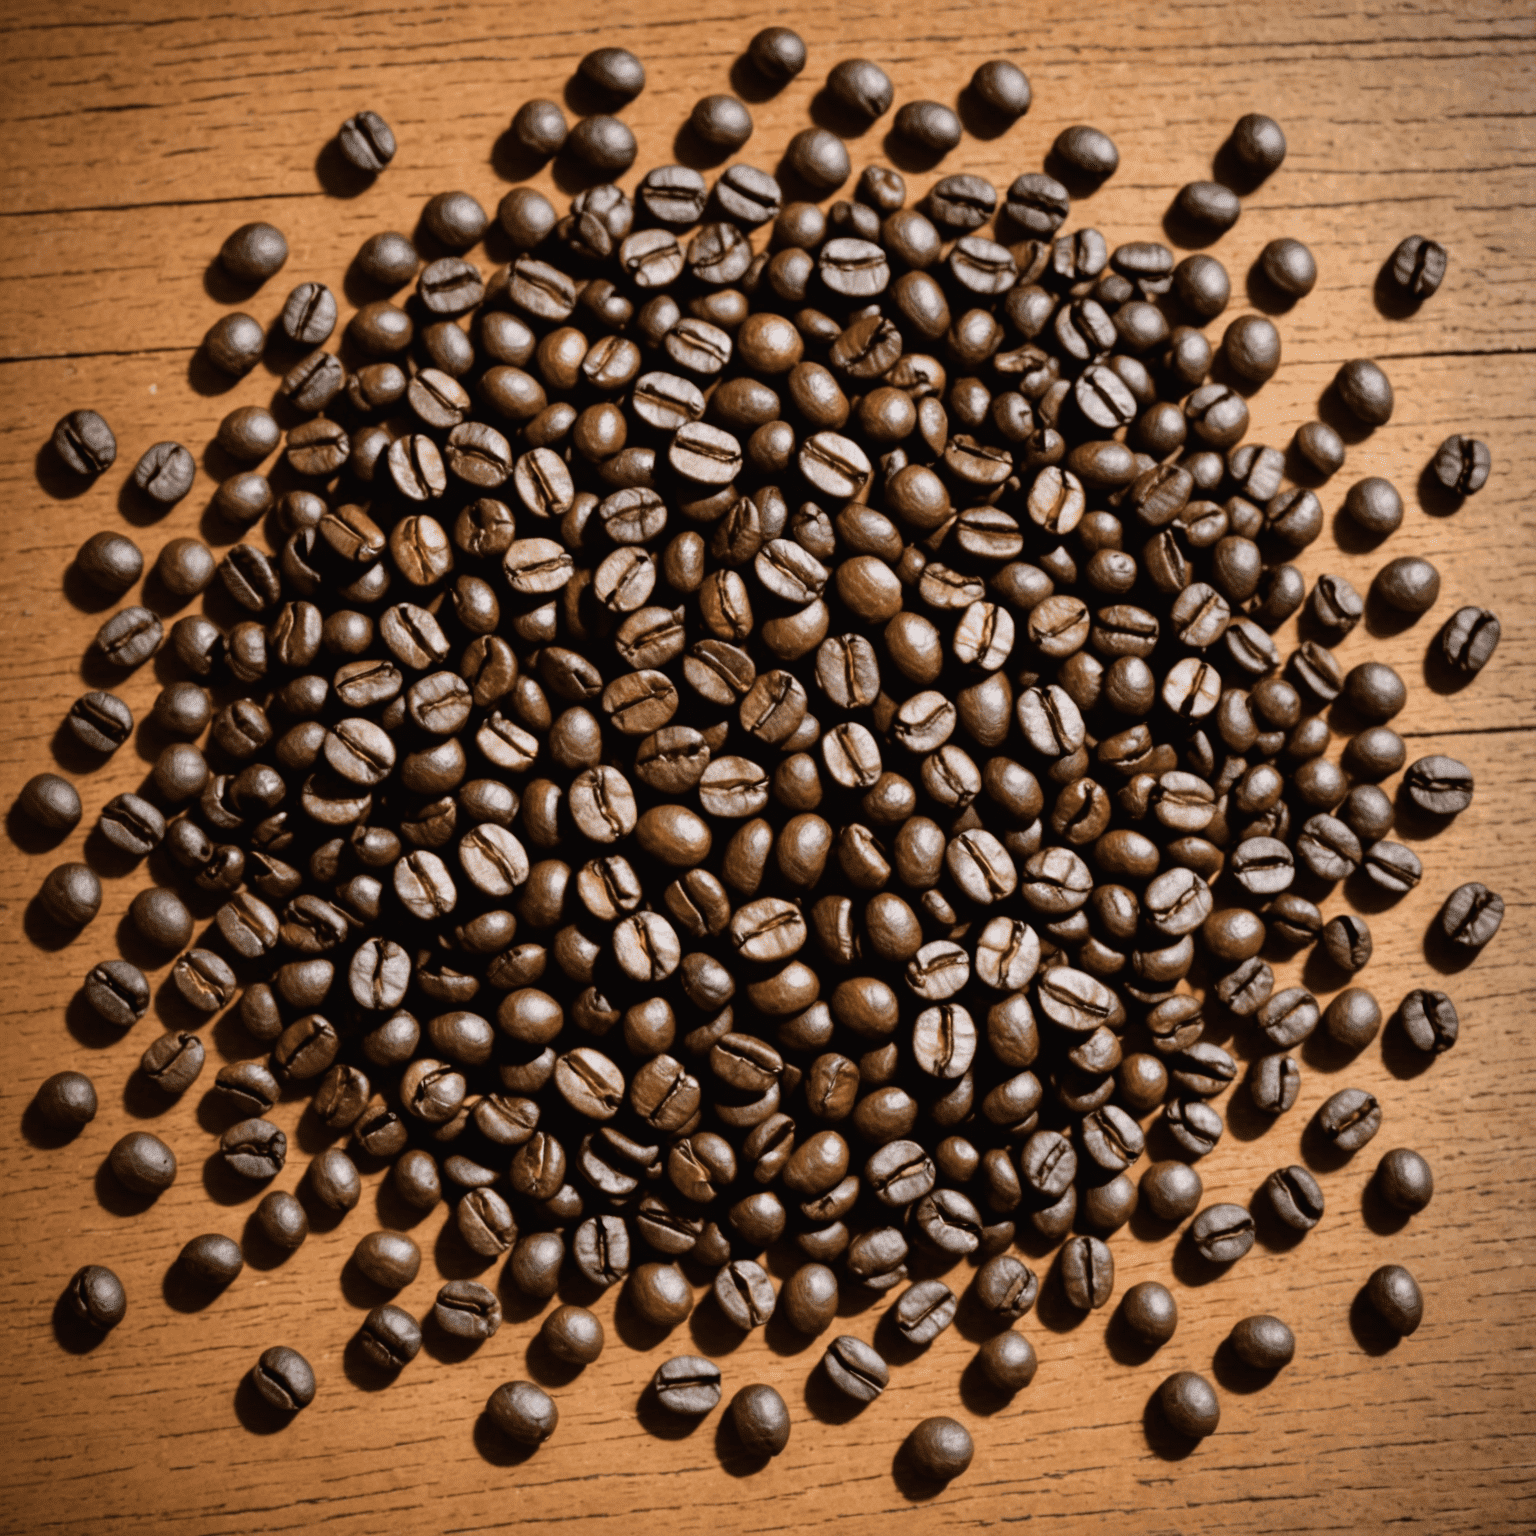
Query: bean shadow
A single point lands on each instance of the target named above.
(1332, 410)
(337, 176)
(546, 1368)
(573, 175)
(837, 117)
(1235, 1375)
(1231, 172)
(912, 1484)
(1440, 675)
(363, 1372)
(690, 148)
(496, 1448)
(1434, 498)
(56, 478)
(184, 1292)
(513, 160)
(980, 1395)
(1079, 184)
(1443, 956)
(444, 1347)
(259, 1249)
(712, 1331)
(360, 1291)
(73, 1334)
(1264, 296)
(82, 594)
(1053, 1308)
(226, 1187)
(1381, 1217)
(257, 1416)
(1187, 233)
(659, 1421)
(1351, 537)
(1320, 1154)
(114, 1197)
(735, 1459)
(1392, 303)
(1147, 1227)
(1191, 1267)
(978, 119)
(907, 156)
(42, 1133)
(1399, 1055)
(1371, 1333)
(638, 1332)
(750, 83)
(1163, 1440)
(43, 932)
(1245, 1120)
(87, 1027)
(1382, 620)
(1125, 1345)
(783, 1338)
(516, 1306)
(1273, 1235)
(827, 1402)
(143, 1098)
(135, 507)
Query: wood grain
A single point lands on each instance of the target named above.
(137, 136)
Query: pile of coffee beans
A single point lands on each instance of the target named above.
(759, 724)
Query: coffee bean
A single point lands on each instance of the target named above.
(1263, 1342)
(282, 1220)
(71, 895)
(367, 142)
(862, 87)
(1408, 584)
(939, 1449)
(143, 1163)
(67, 1100)
(924, 1310)
(1349, 1119)
(465, 1309)
(1150, 1312)
(1417, 267)
(95, 1296)
(51, 802)
(212, 1259)
(389, 1338)
(1008, 1361)
(1438, 784)
(687, 1385)
(1395, 1297)
(1087, 1270)
(1471, 915)
(855, 1369)
(1087, 151)
(760, 1419)
(1189, 1404)
(85, 444)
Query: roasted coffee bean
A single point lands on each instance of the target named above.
(1429, 1019)
(165, 473)
(1150, 1312)
(143, 1163)
(855, 1369)
(85, 443)
(67, 1100)
(687, 1385)
(938, 1450)
(1349, 1119)
(1394, 1296)
(95, 1297)
(71, 895)
(1440, 785)
(1189, 1405)
(1471, 915)
(1405, 1180)
(1087, 1270)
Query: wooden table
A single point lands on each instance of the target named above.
(136, 138)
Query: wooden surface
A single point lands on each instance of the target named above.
(136, 137)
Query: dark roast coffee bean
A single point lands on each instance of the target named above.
(1405, 1180)
(924, 1311)
(1087, 1270)
(143, 1163)
(1471, 915)
(71, 894)
(118, 992)
(1259, 143)
(283, 1379)
(282, 1220)
(212, 1259)
(389, 1338)
(1263, 1342)
(367, 142)
(465, 1309)
(1395, 1297)
(67, 1100)
(855, 1369)
(687, 1385)
(1295, 1197)
(1289, 266)
(51, 802)
(1008, 1361)
(1087, 151)
(605, 144)
(1469, 639)
(1189, 1404)
(95, 1296)
(939, 1449)
(1222, 1234)
(862, 87)
(1150, 1312)
(1438, 784)
(1429, 1019)
(760, 1419)
(1001, 88)
(110, 561)
(1349, 1119)
(84, 443)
